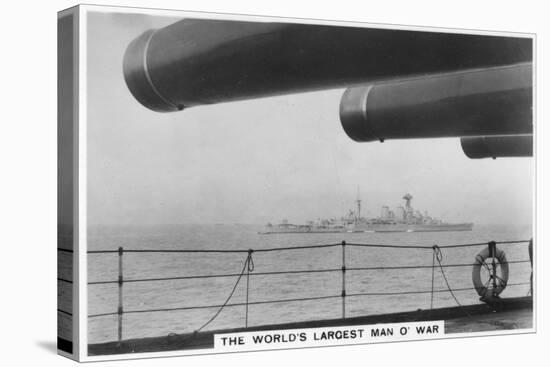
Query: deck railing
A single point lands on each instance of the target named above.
(249, 270)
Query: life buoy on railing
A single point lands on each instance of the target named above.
(500, 281)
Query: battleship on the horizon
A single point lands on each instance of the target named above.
(403, 219)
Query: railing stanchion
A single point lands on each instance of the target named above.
(343, 279)
(493, 254)
(530, 249)
(120, 301)
(248, 267)
(433, 275)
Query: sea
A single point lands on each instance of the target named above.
(168, 294)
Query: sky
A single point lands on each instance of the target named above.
(266, 159)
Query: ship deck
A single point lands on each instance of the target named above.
(508, 314)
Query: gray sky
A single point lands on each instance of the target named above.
(263, 160)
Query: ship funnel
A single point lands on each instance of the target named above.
(493, 101)
(197, 61)
(498, 146)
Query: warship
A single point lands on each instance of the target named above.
(402, 219)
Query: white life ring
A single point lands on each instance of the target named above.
(501, 281)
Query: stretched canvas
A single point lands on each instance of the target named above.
(233, 183)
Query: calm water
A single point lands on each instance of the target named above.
(196, 292)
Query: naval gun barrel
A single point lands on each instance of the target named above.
(196, 61)
(491, 101)
(497, 146)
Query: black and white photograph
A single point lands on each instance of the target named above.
(240, 183)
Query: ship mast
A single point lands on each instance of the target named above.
(408, 208)
(358, 217)
(408, 197)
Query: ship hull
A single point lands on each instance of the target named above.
(376, 228)
(303, 230)
(403, 227)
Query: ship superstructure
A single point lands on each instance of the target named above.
(401, 219)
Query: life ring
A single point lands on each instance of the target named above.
(501, 281)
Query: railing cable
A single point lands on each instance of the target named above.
(302, 299)
(284, 272)
(427, 247)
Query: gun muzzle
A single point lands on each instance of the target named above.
(493, 101)
(497, 146)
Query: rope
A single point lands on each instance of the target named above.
(250, 261)
(439, 258)
(245, 266)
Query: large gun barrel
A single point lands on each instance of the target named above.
(493, 101)
(497, 146)
(195, 62)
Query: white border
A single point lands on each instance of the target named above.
(81, 249)
(261, 18)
